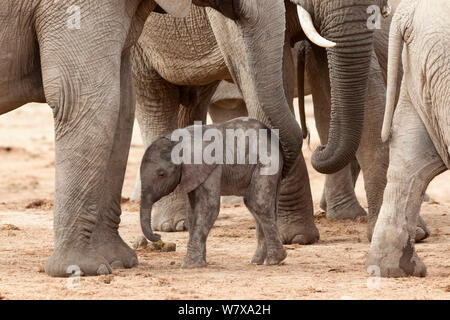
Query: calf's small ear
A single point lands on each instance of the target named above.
(176, 8)
(193, 175)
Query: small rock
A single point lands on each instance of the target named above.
(107, 278)
(169, 247)
(40, 268)
(156, 246)
(162, 246)
(172, 263)
(9, 227)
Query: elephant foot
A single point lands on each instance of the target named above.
(422, 231)
(76, 261)
(347, 212)
(300, 233)
(112, 247)
(190, 263)
(391, 265)
(169, 214)
(275, 257)
(259, 256)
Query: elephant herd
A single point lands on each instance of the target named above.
(170, 62)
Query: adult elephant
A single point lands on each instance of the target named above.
(418, 130)
(177, 68)
(77, 59)
(194, 55)
(338, 198)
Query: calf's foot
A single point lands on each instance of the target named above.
(259, 256)
(275, 257)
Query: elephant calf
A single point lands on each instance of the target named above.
(206, 170)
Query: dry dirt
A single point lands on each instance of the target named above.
(333, 268)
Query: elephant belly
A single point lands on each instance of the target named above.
(236, 179)
(20, 70)
(183, 51)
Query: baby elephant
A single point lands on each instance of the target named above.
(231, 158)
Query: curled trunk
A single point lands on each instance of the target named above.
(349, 66)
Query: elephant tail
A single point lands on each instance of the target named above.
(394, 60)
(301, 60)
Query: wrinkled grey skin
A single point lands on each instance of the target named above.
(338, 198)
(205, 183)
(419, 135)
(85, 77)
(177, 66)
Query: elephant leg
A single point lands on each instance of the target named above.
(373, 154)
(82, 86)
(295, 205)
(270, 249)
(338, 196)
(414, 162)
(105, 238)
(355, 169)
(157, 115)
(261, 249)
(203, 207)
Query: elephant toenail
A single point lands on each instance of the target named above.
(103, 269)
(117, 264)
(180, 226)
(166, 227)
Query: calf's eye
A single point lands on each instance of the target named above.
(160, 174)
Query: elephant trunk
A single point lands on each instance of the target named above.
(349, 65)
(146, 219)
(301, 60)
(255, 61)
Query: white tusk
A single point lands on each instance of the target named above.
(310, 31)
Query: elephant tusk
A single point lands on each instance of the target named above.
(310, 31)
(386, 11)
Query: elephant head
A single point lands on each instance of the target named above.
(341, 26)
(160, 176)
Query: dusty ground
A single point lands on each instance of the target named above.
(330, 269)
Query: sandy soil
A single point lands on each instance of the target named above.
(331, 269)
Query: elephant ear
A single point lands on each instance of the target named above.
(193, 175)
(176, 8)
